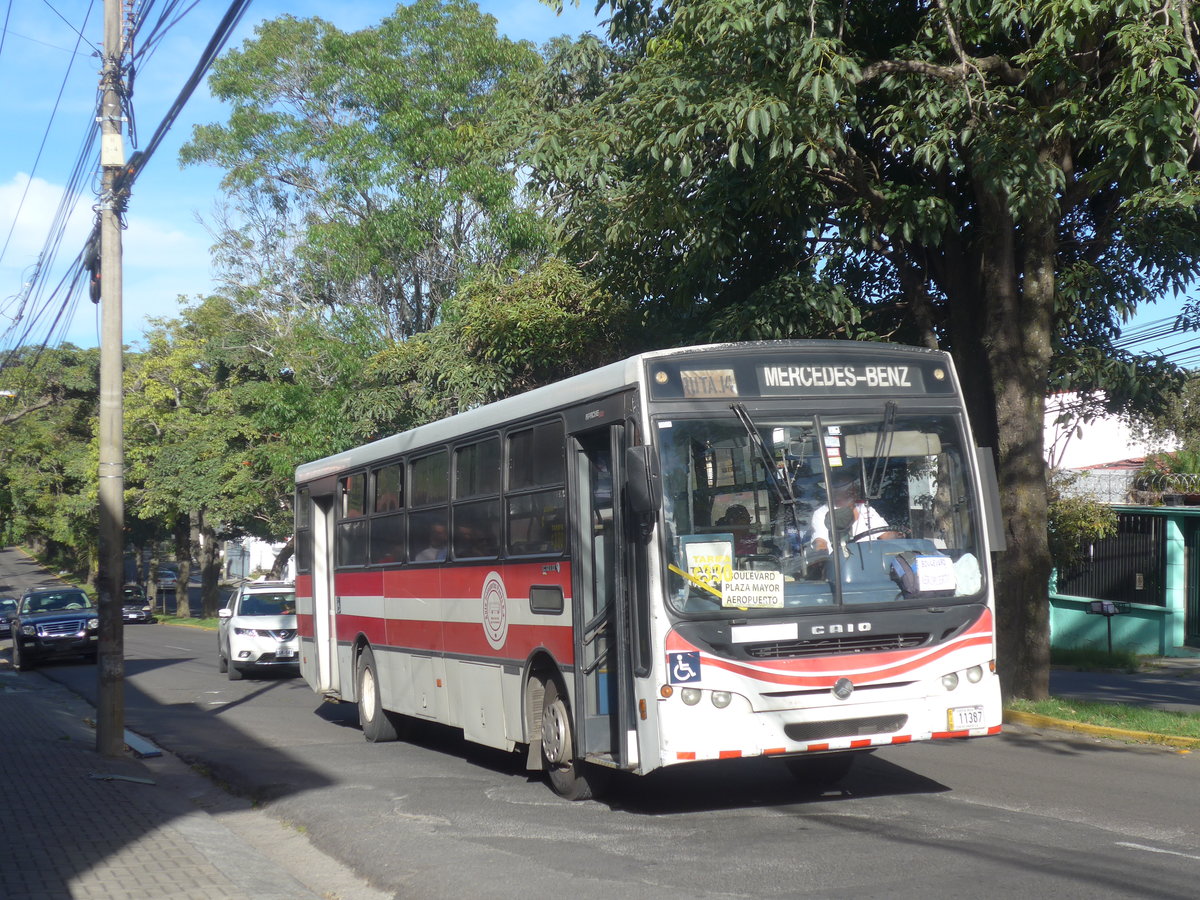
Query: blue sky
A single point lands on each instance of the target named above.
(50, 74)
(49, 70)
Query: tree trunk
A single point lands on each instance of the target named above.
(210, 568)
(183, 555)
(1019, 285)
(281, 559)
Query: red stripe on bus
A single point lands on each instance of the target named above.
(685, 755)
(941, 735)
(902, 739)
(857, 744)
(822, 671)
(884, 667)
(774, 750)
(817, 747)
(729, 754)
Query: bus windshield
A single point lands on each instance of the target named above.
(766, 511)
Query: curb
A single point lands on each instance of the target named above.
(1145, 737)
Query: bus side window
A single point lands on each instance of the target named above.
(535, 502)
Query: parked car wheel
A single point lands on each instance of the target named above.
(20, 661)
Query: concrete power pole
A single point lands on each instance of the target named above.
(110, 705)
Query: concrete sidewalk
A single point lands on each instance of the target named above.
(1169, 683)
(77, 826)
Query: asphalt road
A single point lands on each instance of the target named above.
(1022, 814)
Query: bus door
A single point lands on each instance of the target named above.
(324, 675)
(603, 689)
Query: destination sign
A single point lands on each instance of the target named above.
(851, 371)
(705, 383)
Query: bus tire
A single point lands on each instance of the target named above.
(823, 771)
(377, 726)
(570, 777)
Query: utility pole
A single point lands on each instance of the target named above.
(110, 705)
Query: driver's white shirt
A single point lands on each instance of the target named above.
(865, 519)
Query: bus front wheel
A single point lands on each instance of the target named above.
(569, 777)
(376, 724)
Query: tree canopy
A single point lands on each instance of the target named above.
(1005, 180)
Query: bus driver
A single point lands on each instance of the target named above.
(852, 515)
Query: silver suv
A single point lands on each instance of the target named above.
(257, 627)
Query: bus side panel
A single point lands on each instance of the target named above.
(480, 702)
(451, 643)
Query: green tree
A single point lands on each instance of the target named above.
(504, 332)
(373, 168)
(1005, 179)
(48, 455)
(1075, 520)
(186, 446)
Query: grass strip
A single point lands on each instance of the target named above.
(1114, 715)
(210, 623)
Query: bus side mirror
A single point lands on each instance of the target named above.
(644, 480)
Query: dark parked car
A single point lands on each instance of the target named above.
(52, 623)
(8, 607)
(134, 606)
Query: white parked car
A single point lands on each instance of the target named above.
(257, 627)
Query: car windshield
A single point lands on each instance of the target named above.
(282, 603)
(53, 601)
(7, 604)
(747, 511)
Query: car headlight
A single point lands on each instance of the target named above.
(246, 632)
(29, 630)
(93, 624)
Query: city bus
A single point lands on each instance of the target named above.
(772, 549)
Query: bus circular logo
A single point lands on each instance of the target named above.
(495, 610)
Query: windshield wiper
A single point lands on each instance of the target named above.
(883, 452)
(788, 497)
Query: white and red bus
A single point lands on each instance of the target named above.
(638, 567)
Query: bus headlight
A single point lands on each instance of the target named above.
(975, 674)
(690, 696)
(950, 682)
(720, 699)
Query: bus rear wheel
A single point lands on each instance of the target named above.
(570, 778)
(377, 725)
(821, 772)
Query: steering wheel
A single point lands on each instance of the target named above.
(879, 529)
(72, 606)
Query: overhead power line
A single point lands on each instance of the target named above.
(39, 319)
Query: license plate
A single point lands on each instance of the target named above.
(285, 653)
(964, 717)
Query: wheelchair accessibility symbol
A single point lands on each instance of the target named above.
(684, 667)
